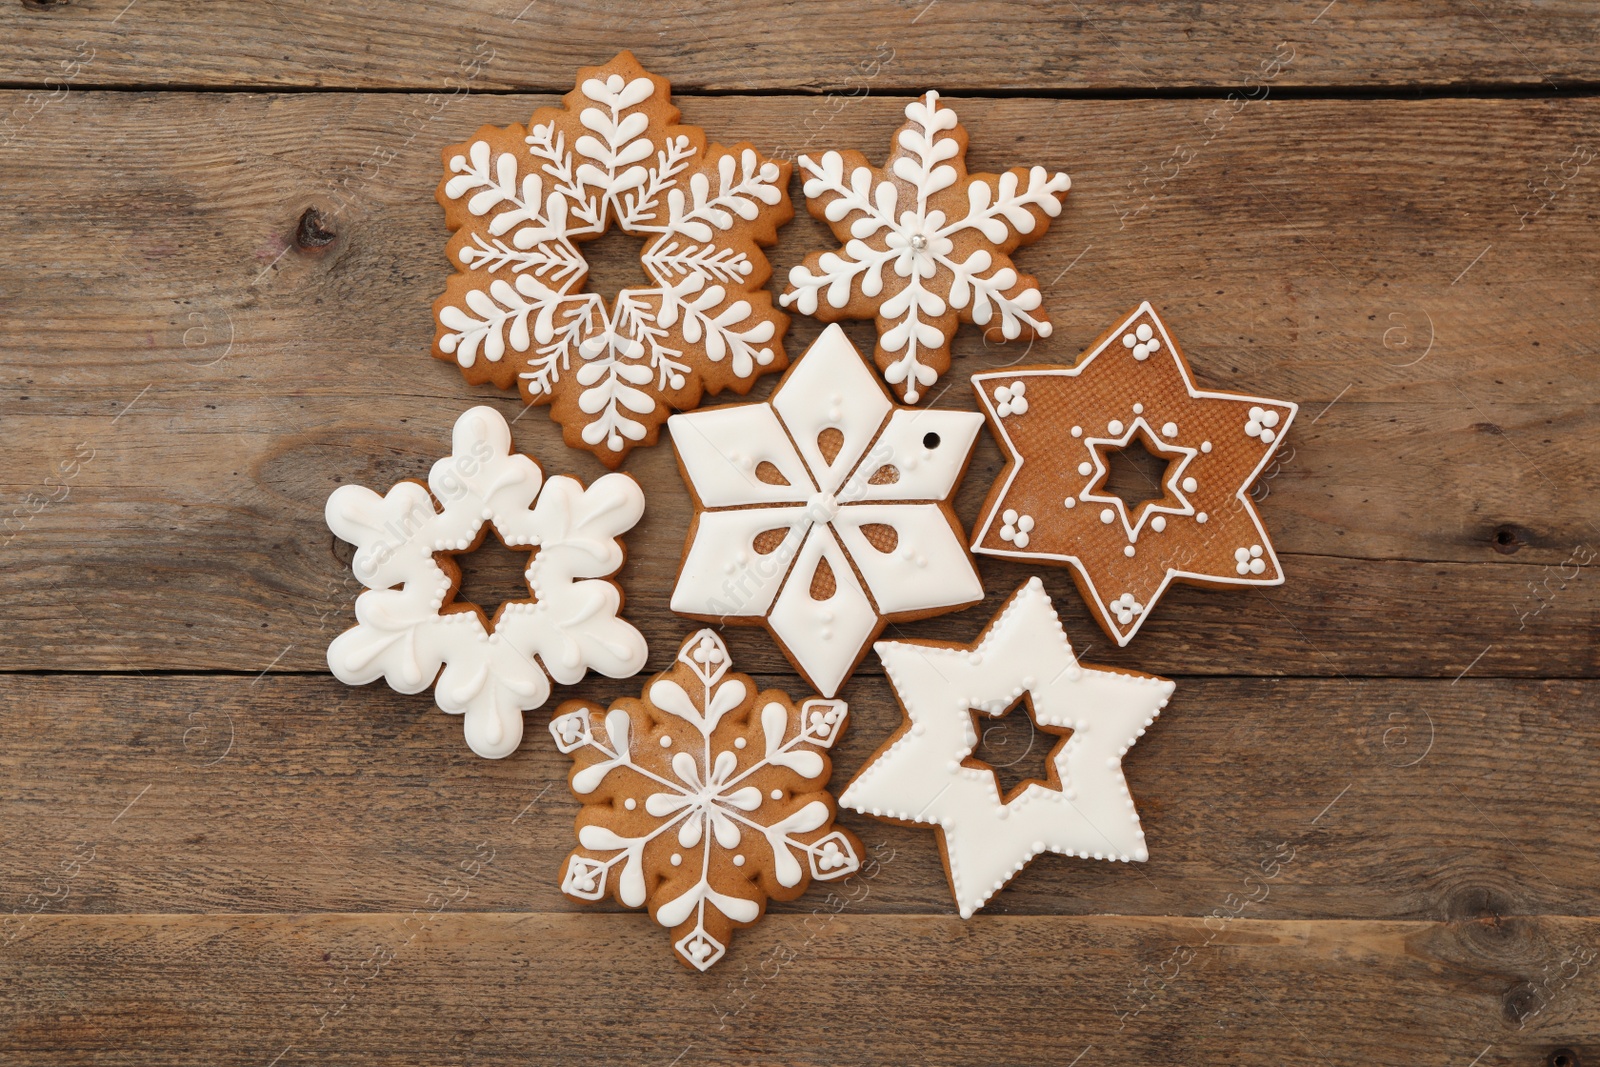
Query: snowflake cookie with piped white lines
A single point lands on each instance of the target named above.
(825, 513)
(523, 201)
(1059, 427)
(703, 799)
(412, 632)
(926, 246)
(926, 772)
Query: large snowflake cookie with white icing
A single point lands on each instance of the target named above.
(523, 200)
(926, 773)
(824, 514)
(703, 799)
(926, 245)
(413, 633)
(1131, 389)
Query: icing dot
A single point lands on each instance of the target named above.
(1158, 523)
(1201, 517)
(676, 381)
(677, 860)
(1127, 550)
(1169, 429)
(1009, 517)
(1077, 431)
(776, 794)
(666, 742)
(1129, 340)
(1190, 485)
(1138, 409)
(739, 742)
(630, 803)
(1144, 331)
(1085, 468)
(738, 861)
(1108, 516)
(1205, 446)
(1070, 502)
(1114, 428)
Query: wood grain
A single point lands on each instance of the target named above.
(1018, 46)
(507, 987)
(1392, 799)
(218, 368)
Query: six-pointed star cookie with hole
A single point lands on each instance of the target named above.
(925, 772)
(1132, 388)
(523, 201)
(825, 513)
(926, 245)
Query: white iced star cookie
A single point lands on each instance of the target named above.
(411, 631)
(925, 774)
(824, 514)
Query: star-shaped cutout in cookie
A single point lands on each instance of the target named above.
(1060, 424)
(925, 774)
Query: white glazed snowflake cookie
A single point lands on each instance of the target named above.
(925, 773)
(824, 514)
(523, 200)
(926, 245)
(410, 631)
(1059, 425)
(703, 799)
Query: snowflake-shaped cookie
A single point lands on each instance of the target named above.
(925, 773)
(703, 799)
(824, 514)
(409, 630)
(522, 202)
(925, 245)
(1131, 389)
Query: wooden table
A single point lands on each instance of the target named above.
(1372, 806)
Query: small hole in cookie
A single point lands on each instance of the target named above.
(930, 440)
(1016, 749)
(767, 541)
(769, 473)
(1136, 474)
(885, 475)
(829, 442)
(491, 576)
(823, 583)
(880, 536)
(615, 264)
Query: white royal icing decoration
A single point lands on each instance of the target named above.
(1260, 425)
(914, 241)
(1009, 399)
(490, 677)
(703, 800)
(823, 509)
(648, 184)
(922, 777)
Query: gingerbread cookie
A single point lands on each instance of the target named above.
(926, 774)
(411, 631)
(926, 246)
(824, 514)
(523, 200)
(703, 799)
(1131, 388)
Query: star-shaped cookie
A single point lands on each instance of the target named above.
(925, 772)
(1131, 388)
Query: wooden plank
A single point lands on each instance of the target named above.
(1312, 798)
(206, 379)
(1019, 45)
(499, 988)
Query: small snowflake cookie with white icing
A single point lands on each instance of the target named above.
(413, 633)
(1132, 389)
(926, 246)
(825, 513)
(523, 201)
(926, 772)
(703, 799)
